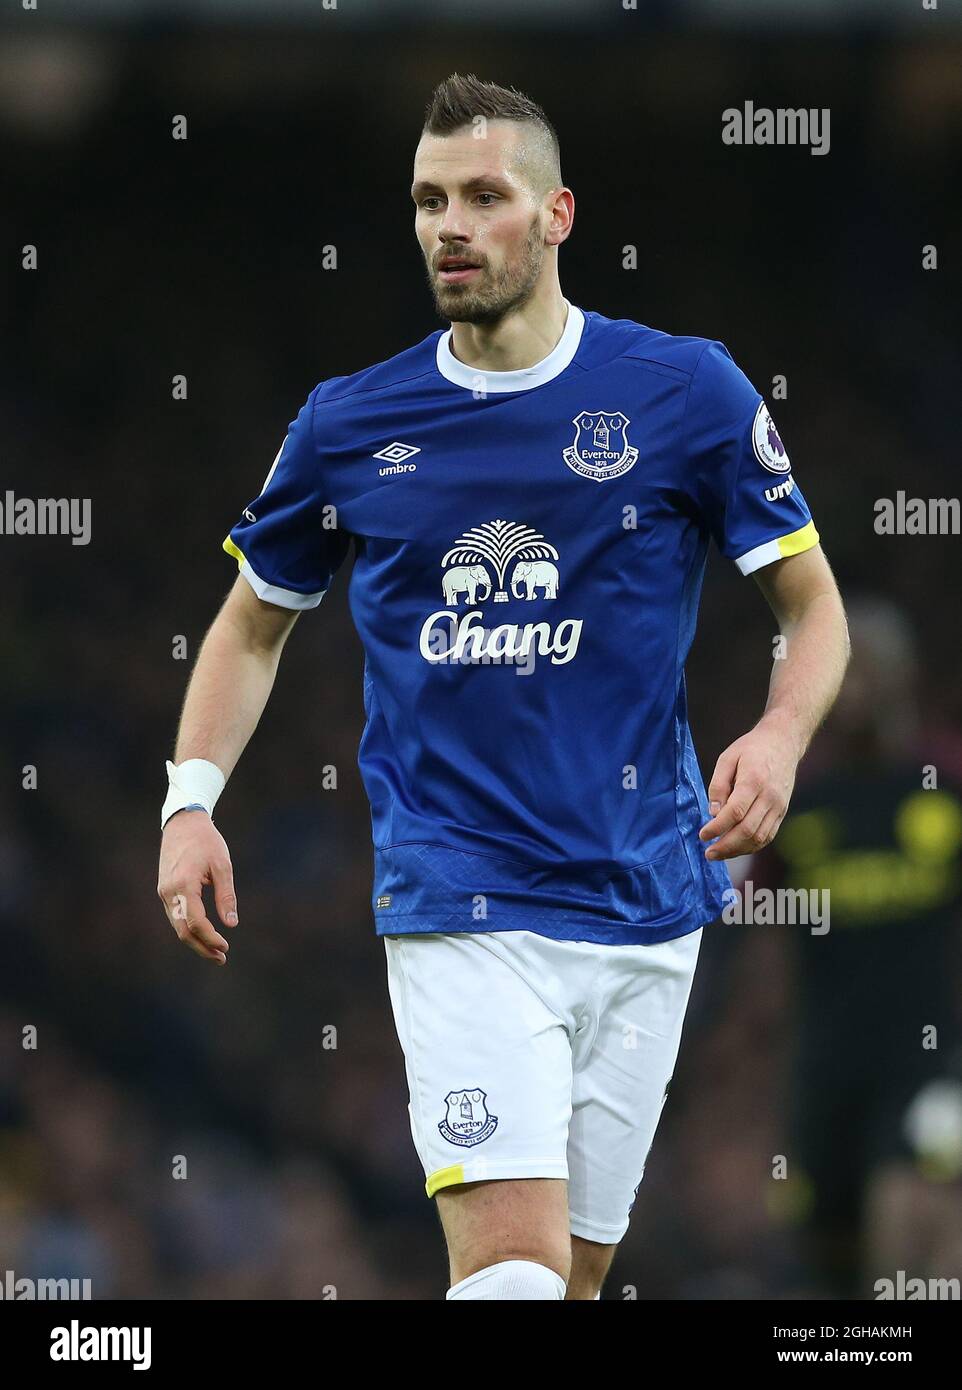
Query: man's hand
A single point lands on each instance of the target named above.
(193, 852)
(753, 780)
(750, 790)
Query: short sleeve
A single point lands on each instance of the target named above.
(286, 542)
(740, 475)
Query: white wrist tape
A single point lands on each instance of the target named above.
(195, 782)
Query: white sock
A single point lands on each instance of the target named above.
(511, 1279)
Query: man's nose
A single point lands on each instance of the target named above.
(452, 226)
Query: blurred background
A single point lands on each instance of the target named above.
(206, 257)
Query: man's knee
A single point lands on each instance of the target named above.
(516, 1222)
(590, 1262)
(520, 1280)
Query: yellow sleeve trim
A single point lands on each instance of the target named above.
(797, 541)
(444, 1177)
(232, 549)
(779, 549)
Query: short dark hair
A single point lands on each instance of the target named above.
(457, 101)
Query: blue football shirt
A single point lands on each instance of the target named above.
(529, 552)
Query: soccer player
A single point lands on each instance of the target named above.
(530, 496)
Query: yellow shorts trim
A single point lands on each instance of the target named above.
(232, 549)
(797, 541)
(444, 1177)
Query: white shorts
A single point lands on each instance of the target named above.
(528, 1057)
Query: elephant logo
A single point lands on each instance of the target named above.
(465, 579)
(600, 449)
(535, 574)
(495, 546)
(486, 562)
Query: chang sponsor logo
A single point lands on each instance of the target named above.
(498, 561)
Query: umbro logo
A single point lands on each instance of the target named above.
(396, 453)
(394, 456)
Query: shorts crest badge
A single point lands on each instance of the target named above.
(600, 449)
(467, 1121)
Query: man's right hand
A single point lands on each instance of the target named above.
(193, 853)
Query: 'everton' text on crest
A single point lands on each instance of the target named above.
(600, 449)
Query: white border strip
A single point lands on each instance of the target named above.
(762, 555)
(284, 598)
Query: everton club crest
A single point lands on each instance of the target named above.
(600, 449)
(467, 1120)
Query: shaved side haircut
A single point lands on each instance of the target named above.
(458, 102)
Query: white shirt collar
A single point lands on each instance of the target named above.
(477, 379)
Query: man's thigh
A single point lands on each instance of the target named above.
(486, 1024)
(487, 1055)
(623, 1061)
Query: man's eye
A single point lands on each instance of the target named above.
(492, 196)
(427, 202)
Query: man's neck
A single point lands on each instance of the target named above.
(518, 340)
